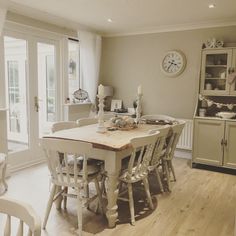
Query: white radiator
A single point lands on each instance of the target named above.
(186, 138)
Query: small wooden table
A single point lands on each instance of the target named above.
(111, 147)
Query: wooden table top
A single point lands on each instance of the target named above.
(116, 140)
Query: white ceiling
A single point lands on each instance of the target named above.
(130, 16)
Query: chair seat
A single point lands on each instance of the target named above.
(93, 166)
(2, 158)
(133, 178)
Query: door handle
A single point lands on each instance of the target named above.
(225, 143)
(222, 142)
(36, 104)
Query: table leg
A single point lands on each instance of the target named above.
(112, 167)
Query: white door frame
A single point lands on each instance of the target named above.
(32, 35)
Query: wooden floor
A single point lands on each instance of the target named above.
(202, 203)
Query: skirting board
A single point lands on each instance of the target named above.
(12, 169)
(181, 153)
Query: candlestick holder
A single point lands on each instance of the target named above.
(138, 108)
(101, 127)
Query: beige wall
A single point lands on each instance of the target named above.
(132, 60)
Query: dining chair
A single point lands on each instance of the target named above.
(58, 126)
(137, 170)
(86, 121)
(22, 211)
(71, 174)
(159, 117)
(157, 153)
(168, 155)
(3, 166)
(89, 121)
(62, 125)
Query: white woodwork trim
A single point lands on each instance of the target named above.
(34, 31)
(179, 27)
(186, 154)
(15, 168)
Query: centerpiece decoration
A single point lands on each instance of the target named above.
(123, 122)
(138, 109)
(101, 127)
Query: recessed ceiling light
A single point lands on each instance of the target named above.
(211, 5)
(109, 20)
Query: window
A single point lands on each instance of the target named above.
(73, 67)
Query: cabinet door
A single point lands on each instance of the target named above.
(208, 135)
(230, 147)
(214, 71)
(232, 71)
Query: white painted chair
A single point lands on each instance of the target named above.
(138, 170)
(3, 167)
(86, 121)
(158, 151)
(61, 125)
(21, 211)
(172, 142)
(158, 117)
(71, 174)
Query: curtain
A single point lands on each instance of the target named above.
(90, 56)
(3, 11)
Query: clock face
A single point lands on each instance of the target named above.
(80, 94)
(173, 63)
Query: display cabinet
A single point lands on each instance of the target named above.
(216, 67)
(214, 138)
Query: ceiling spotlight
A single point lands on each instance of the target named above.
(109, 20)
(211, 5)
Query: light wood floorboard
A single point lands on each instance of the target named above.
(202, 203)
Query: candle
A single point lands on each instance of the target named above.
(100, 89)
(140, 90)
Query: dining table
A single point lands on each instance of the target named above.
(111, 147)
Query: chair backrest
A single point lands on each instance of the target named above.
(66, 172)
(158, 117)
(176, 131)
(86, 121)
(24, 213)
(161, 140)
(108, 116)
(143, 146)
(61, 125)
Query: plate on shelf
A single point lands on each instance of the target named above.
(226, 115)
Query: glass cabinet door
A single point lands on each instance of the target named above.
(232, 75)
(216, 64)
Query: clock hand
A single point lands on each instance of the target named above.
(169, 66)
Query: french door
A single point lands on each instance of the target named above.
(32, 79)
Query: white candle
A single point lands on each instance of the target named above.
(140, 90)
(101, 89)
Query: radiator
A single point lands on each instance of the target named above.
(186, 138)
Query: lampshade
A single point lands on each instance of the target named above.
(108, 91)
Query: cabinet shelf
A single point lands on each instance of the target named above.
(215, 66)
(209, 78)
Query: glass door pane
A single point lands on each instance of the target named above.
(15, 51)
(46, 87)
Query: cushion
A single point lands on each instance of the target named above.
(93, 166)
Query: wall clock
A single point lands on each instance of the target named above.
(173, 63)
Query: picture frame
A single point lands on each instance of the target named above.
(116, 104)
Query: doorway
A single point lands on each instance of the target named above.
(32, 79)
